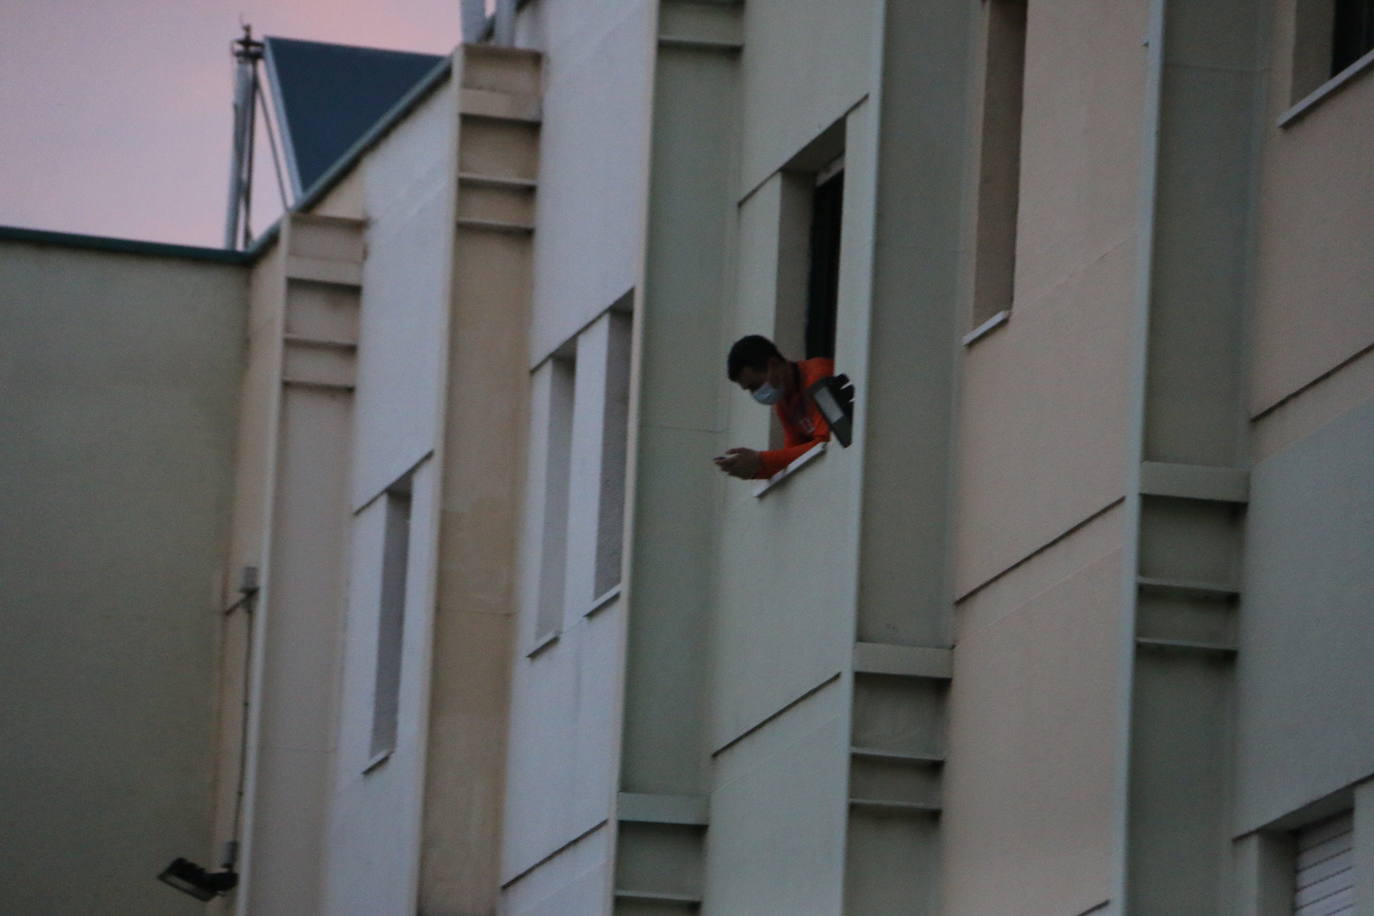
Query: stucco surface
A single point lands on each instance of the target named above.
(1304, 680)
(593, 151)
(374, 817)
(788, 98)
(1031, 757)
(777, 814)
(121, 376)
(1313, 273)
(560, 773)
(1043, 400)
(407, 186)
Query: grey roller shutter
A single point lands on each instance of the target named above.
(1323, 871)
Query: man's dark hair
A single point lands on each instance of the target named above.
(752, 352)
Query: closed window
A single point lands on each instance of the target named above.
(391, 618)
(1323, 870)
(575, 509)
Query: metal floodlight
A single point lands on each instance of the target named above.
(189, 878)
(834, 395)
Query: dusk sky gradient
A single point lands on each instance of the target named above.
(115, 115)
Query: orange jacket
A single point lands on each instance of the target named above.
(803, 424)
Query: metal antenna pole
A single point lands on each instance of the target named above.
(248, 159)
(505, 23)
(246, 53)
(474, 20)
(272, 140)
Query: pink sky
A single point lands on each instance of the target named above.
(115, 115)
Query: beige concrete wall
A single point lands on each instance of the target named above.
(1314, 219)
(1043, 403)
(788, 97)
(1307, 647)
(253, 460)
(777, 810)
(121, 378)
(1033, 728)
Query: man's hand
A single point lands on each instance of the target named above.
(743, 463)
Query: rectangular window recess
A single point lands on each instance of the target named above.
(1330, 87)
(987, 327)
(797, 464)
(542, 643)
(605, 599)
(376, 761)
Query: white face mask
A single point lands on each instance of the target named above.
(766, 394)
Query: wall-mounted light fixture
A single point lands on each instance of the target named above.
(189, 878)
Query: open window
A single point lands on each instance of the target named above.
(823, 274)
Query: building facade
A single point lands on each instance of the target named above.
(1076, 625)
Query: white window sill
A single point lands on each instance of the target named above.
(797, 464)
(604, 600)
(541, 643)
(1330, 87)
(987, 327)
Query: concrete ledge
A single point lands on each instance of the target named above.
(493, 225)
(986, 328)
(905, 661)
(320, 270)
(684, 43)
(657, 898)
(689, 810)
(883, 806)
(502, 106)
(1193, 481)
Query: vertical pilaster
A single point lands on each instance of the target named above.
(1192, 484)
(902, 660)
(661, 810)
(484, 424)
(300, 608)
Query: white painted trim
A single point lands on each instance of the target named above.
(603, 600)
(1330, 87)
(408, 472)
(986, 328)
(905, 661)
(377, 760)
(797, 464)
(542, 642)
(691, 810)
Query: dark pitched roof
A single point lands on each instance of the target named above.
(329, 96)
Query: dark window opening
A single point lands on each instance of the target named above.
(999, 165)
(391, 618)
(823, 284)
(1352, 34)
